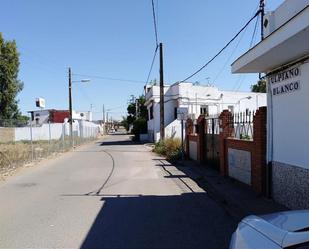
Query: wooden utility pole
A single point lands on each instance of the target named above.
(161, 95)
(103, 114)
(262, 11)
(70, 107)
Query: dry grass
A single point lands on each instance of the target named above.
(15, 155)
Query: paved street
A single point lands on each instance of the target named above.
(109, 194)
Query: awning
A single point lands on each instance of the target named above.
(288, 43)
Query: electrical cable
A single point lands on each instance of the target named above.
(214, 57)
(152, 63)
(231, 55)
(250, 46)
(154, 22)
(109, 78)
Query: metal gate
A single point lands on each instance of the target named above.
(211, 139)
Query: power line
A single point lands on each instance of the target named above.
(250, 46)
(254, 32)
(154, 22)
(229, 58)
(109, 78)
(208, 62)
(152, 63)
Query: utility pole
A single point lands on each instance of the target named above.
(161, 95)
(107, 119)
(136, 108)
(103, 114)
(70, 107)
(262, 11)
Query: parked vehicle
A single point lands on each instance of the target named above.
(288, 230)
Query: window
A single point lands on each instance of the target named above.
(151, 112)
(175, 113)
(204, 110)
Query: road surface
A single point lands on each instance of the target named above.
(109, 194)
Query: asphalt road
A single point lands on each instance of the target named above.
(109, 194)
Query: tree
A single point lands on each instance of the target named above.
(259, 87)
(137, 115)
(10, 85)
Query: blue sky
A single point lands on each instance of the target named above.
(115, 39)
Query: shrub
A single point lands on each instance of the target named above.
(170, 147)
(139, 126)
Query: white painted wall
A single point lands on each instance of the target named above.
(40, 117)
(56, 130)
(290, 123)
(39, 132)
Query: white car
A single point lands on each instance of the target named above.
(288, 230)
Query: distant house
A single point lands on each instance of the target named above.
(284, 57)
(199, 99)
(40, 117)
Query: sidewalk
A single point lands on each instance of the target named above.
(238, 199)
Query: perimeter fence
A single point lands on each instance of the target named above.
(22, 143)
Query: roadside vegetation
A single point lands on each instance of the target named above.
(15, 155)
(170, 148)
(136, 120)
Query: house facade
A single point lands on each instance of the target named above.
(198, 99)
(283, 56)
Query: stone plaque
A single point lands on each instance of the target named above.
(239, 164)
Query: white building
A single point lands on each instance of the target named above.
(199, 99)
(82, 115)
(284, 57)
(43, 116)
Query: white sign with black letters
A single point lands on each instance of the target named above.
(285, 81)
(182, 113)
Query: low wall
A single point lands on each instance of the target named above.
(290, 185)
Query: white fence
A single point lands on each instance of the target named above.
(56, 131)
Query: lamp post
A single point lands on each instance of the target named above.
(70, 103)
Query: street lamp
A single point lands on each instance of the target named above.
(70, 102)
(248, 97)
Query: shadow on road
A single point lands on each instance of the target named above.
(189, 220)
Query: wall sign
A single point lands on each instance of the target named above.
(285, 81)
(182, 113)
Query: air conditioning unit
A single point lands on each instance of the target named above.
(269, 23)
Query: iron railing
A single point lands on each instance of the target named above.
(212, 126)
(242, 125)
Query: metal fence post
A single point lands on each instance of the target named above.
(49, 138)
(31, 139)
(62, 137)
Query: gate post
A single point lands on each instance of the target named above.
(258, 172)
(189, 130)
(201, 138)
(225, 132)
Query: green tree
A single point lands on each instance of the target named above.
(137, 119)
(259, 87)
(10, 85)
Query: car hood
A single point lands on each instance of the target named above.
(284, 228)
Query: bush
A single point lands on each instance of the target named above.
(139, 127)
(170, 147)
